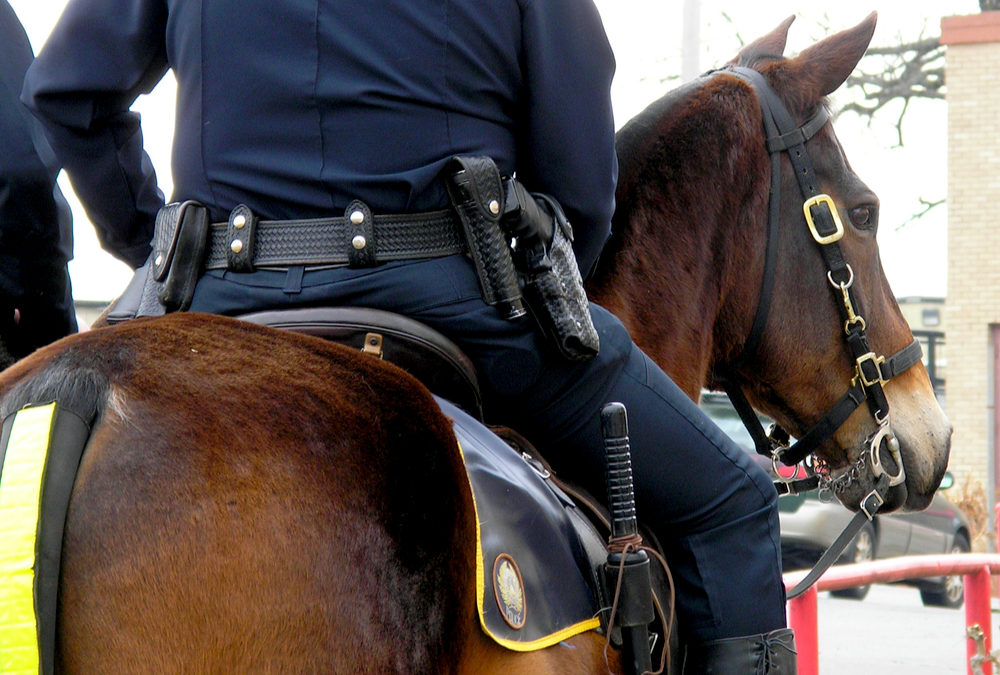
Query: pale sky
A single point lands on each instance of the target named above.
(647, 36)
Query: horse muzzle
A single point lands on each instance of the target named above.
(912, 477)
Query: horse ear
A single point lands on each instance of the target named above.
(829, 62)
(771, 46)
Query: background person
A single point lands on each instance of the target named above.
(36, 226)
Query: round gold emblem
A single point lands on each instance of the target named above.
(508, 589)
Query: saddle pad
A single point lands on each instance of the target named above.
(40, 450)
(535, 571)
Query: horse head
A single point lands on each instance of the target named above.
(804, 363)
(695, 199)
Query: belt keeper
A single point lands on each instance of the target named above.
(241, 232)
(361, 245)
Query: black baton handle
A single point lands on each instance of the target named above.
(627, 573)
(621, 492)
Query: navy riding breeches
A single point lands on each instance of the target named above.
(712, 508)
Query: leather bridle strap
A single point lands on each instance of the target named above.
(869, 507)
(824, 223)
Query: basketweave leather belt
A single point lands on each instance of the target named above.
(358, 239)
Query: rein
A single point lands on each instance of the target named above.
(871, 372)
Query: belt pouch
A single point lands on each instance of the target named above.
(181, 265)
(553, 291)
(142, 295)
(476, 193)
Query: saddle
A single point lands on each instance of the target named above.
(418, 349)
(531, 593)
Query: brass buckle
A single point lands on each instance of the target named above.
(828, 201)
(373, 345)
(878, 361)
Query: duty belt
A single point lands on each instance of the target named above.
(358, 239)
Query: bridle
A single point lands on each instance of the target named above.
(872, 372)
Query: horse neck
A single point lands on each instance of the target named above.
(682, 270)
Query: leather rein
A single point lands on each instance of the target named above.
(872, 372)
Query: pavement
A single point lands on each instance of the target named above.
(890, 632)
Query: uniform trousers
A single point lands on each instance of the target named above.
(713, 510)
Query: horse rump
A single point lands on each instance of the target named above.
(254, 500)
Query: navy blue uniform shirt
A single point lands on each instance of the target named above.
(343, 100)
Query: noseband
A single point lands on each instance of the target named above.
(871, 372)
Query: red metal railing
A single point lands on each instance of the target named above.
(975, 568)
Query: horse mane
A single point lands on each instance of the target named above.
(663, 144)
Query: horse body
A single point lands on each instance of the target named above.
(324, 522)
(317, 524)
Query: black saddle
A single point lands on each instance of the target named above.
(416, 348)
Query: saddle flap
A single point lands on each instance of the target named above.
(537, 560)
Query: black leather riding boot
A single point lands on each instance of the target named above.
(772, 653)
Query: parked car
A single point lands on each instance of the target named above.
(810, 524)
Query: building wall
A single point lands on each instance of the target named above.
(923, 313)
(926, 318)
(973, 306)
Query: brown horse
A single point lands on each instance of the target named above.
(684, 269)
(255, 500)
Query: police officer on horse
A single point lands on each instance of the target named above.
(376, 127)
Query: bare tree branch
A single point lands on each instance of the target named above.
(903, 72)
(900, 73)
(928, 207)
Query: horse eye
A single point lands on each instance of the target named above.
(864, 217)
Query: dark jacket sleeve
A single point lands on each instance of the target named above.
(100, 57)
(36, 224)
(568, 150)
